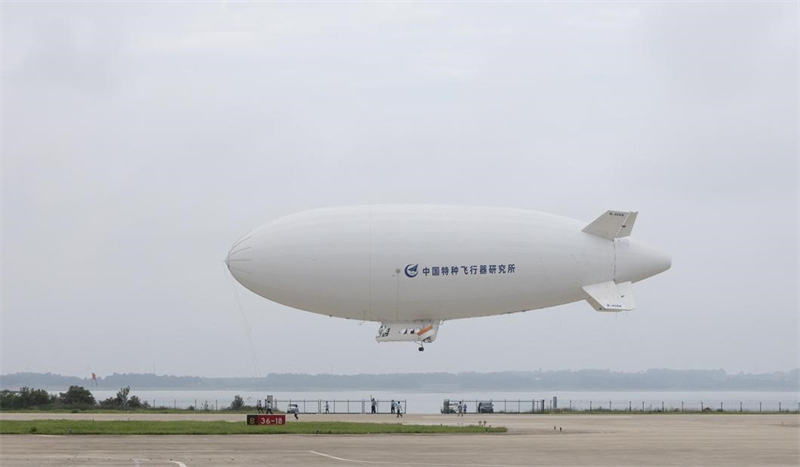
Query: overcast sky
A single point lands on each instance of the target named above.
(140, 140)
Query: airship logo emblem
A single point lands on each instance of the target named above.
(411, 270)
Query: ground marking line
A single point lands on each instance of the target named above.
(357, 461)
(344, 460)
(136, 461)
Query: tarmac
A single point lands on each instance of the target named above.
(578, 440)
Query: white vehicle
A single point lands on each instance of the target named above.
(412, 267)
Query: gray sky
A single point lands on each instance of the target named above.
(140, 140)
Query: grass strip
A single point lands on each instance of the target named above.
(136, 411)
(190, 427)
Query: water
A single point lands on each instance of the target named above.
(431, 402)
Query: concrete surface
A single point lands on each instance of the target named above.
(586, 440)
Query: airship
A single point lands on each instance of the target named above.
(413, 267)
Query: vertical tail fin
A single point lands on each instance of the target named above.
(612, 224)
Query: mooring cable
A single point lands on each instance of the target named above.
(248, 331)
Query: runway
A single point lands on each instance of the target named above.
(584, 440)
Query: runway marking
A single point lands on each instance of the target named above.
(344, 460)
(136, 462)
(357, 461)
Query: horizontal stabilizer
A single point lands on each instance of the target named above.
(416, 331)
(612, 224)
(610, 296)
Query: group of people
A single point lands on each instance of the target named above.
(396, 406)
(267, 408)
(462, 408)
(260, 408)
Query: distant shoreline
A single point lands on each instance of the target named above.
(581, 380)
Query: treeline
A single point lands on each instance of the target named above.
(76, 397)
(594, 380)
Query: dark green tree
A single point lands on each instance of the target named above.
(77, 396)
(25, 398)
(30, 397)
(122, 396)
(110, 403)
(237, 403)
(135, 403)
(8, 399)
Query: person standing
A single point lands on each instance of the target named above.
(374, 405)
(269, 406)
(327, 409)
(399, 410)
(392, 406)
(259, 408)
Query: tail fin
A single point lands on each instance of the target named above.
(612, 224)
(610, 296)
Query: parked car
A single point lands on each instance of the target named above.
(485, 407)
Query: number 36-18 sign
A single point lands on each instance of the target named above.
(266, 419)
